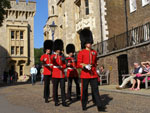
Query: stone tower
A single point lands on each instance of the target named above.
(52, 19)
(17, 38)
(72, 16)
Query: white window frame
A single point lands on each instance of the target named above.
(145, 2)
(133, 6)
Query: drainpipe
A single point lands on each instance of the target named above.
(101, 25)
(126, 17)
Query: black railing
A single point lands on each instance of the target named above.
(136, 36)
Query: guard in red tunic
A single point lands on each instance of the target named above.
(58, 75)
(46, 59)
(87, 60)
(72, 73)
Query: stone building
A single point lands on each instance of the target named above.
(17, 38)
(72, 16)
(122, 49)
(109, 21)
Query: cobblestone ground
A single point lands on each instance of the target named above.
(31, 97)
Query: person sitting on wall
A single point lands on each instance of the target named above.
(140, 77)
(137, 70)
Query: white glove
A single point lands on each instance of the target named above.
(97, 71)
(88, 67)
(45, 59)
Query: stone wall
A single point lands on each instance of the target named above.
(69, 22)
(135, 54)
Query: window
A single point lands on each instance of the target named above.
(53, 10)
(21, 35)
(146, 28)
(86, 7)
(12, 50)
(78, 9)
(12, 35)
(133, 6)
(21, 50)
(21, 70)
(145, 2)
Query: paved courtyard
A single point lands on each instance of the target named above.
(26, 98)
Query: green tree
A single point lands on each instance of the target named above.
(3, 5)
(37, 54)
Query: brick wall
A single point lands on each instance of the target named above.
(116, 16)
(136, 54)
(140, 16)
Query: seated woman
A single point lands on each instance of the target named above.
(140, 77)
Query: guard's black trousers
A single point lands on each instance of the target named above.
(56, 82)
(47, 79)
(76, 80)
(84, 91)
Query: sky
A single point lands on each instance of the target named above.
(40, 19)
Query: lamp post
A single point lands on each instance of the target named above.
(52, 27)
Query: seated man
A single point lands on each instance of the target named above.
(101, 70)
(140, 77)
(103, 74)
(137, 70)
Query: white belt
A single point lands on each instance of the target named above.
(57, 67)
(48, 64)
(71, 68)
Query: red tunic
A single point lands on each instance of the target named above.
(58, 66)
(47, 64)
(87, 57)
(71, 70)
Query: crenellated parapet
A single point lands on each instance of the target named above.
(21, 10)
(22, 5)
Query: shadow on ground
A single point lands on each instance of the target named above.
(104, 99)
(14, 84)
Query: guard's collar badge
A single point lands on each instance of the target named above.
(93, 53)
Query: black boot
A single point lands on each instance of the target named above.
(46, 100)
(64, 104)
(84, 108)
(70, 99)
(78, 97)
(56, 104)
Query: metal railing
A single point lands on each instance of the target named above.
(136, 36)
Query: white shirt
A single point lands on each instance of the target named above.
(140, 70)
(33, 70)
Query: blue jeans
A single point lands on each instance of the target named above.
(33, 78)
(42, 77)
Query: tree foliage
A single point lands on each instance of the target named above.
(37, 54)
(3, 5)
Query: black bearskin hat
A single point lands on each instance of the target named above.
(48, 44)
(58, 45)
(70, 48)
(86, 37)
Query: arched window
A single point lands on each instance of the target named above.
(53, 10)
(86, 7)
